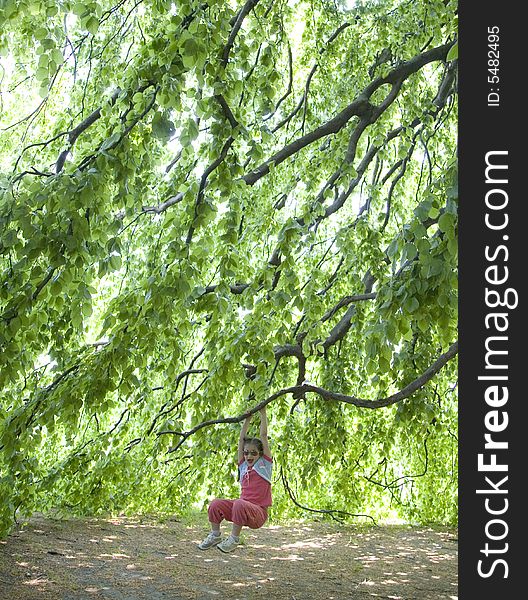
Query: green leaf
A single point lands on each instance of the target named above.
(453, 52)
(192, 129)
(41, 33)
(409, 252)
(115, 262)
(92, 25)
(162, 128)
(111, 141)
(433, 212)
(79, 9)
(87, 309)
(411, 304)
(445, 222)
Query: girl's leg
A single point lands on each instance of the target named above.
(243, 513)
(219, 510)
(246, 513)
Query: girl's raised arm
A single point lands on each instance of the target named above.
(264, 431)
(243, 433)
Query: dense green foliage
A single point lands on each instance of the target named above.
(209, 206)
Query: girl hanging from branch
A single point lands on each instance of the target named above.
(251, 509)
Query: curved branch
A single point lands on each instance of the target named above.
(345, 302)
(406, 392)
(330, 512)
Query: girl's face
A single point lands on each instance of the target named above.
(251, 454)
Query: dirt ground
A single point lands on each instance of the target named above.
(144, 559)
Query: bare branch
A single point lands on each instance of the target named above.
(335, 514)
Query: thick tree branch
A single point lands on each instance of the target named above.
(406, 392)
(360, 107)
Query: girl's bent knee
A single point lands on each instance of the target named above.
(214, 511)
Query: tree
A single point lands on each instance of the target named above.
(208, 207)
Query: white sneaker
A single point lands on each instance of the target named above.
(210, 540)
(228, 545)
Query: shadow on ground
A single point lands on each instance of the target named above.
(139, 559)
